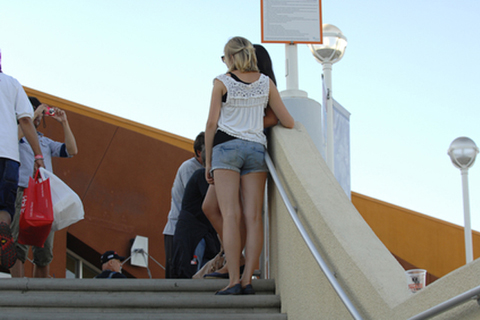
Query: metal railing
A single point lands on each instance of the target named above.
(311, 246)
(473, 294)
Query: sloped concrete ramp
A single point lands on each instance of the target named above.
(367, 271)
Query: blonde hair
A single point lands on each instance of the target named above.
(241, 53)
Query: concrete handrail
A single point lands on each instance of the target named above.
(451, 303)
(321, 262)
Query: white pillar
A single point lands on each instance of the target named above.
(291, 67)
(327, 71)
(291, 73)
(466, 211)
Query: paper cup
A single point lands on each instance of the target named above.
(416, 279)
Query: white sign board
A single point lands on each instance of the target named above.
(291, 21)
(139, 252)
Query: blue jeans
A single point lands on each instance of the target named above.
(199, 252)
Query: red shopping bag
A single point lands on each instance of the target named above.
(36, 215)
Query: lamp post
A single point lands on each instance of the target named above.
(331, 51)
(462, 152)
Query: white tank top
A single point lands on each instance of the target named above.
(242, 114)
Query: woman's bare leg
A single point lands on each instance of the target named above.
(253, 188)
(227, 188)
(212, 212)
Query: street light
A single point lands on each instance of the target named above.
(331, 51)
(462, 152)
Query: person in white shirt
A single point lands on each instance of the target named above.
(14, 107)
(184, 173)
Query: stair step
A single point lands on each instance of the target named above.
(6, 315)
(134, 299)
(128, 285)
(139, 300)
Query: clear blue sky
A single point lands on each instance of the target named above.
(409, 77)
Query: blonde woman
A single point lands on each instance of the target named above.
(235, 146)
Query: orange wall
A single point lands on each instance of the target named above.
(124, 172)
(423, 241)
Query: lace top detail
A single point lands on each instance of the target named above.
(242, 114)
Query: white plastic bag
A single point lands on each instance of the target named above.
(67, 205)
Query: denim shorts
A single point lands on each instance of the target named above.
(239, 155)
(8, 184)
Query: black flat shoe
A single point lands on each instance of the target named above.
(248, 289)
(235, 290)
(216, 275)
(219, 275)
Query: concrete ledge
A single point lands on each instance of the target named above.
(367, 271)
(445, 288)
(370, 275)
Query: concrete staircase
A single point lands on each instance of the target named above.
(134, 299)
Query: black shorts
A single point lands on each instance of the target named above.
(8, 185)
